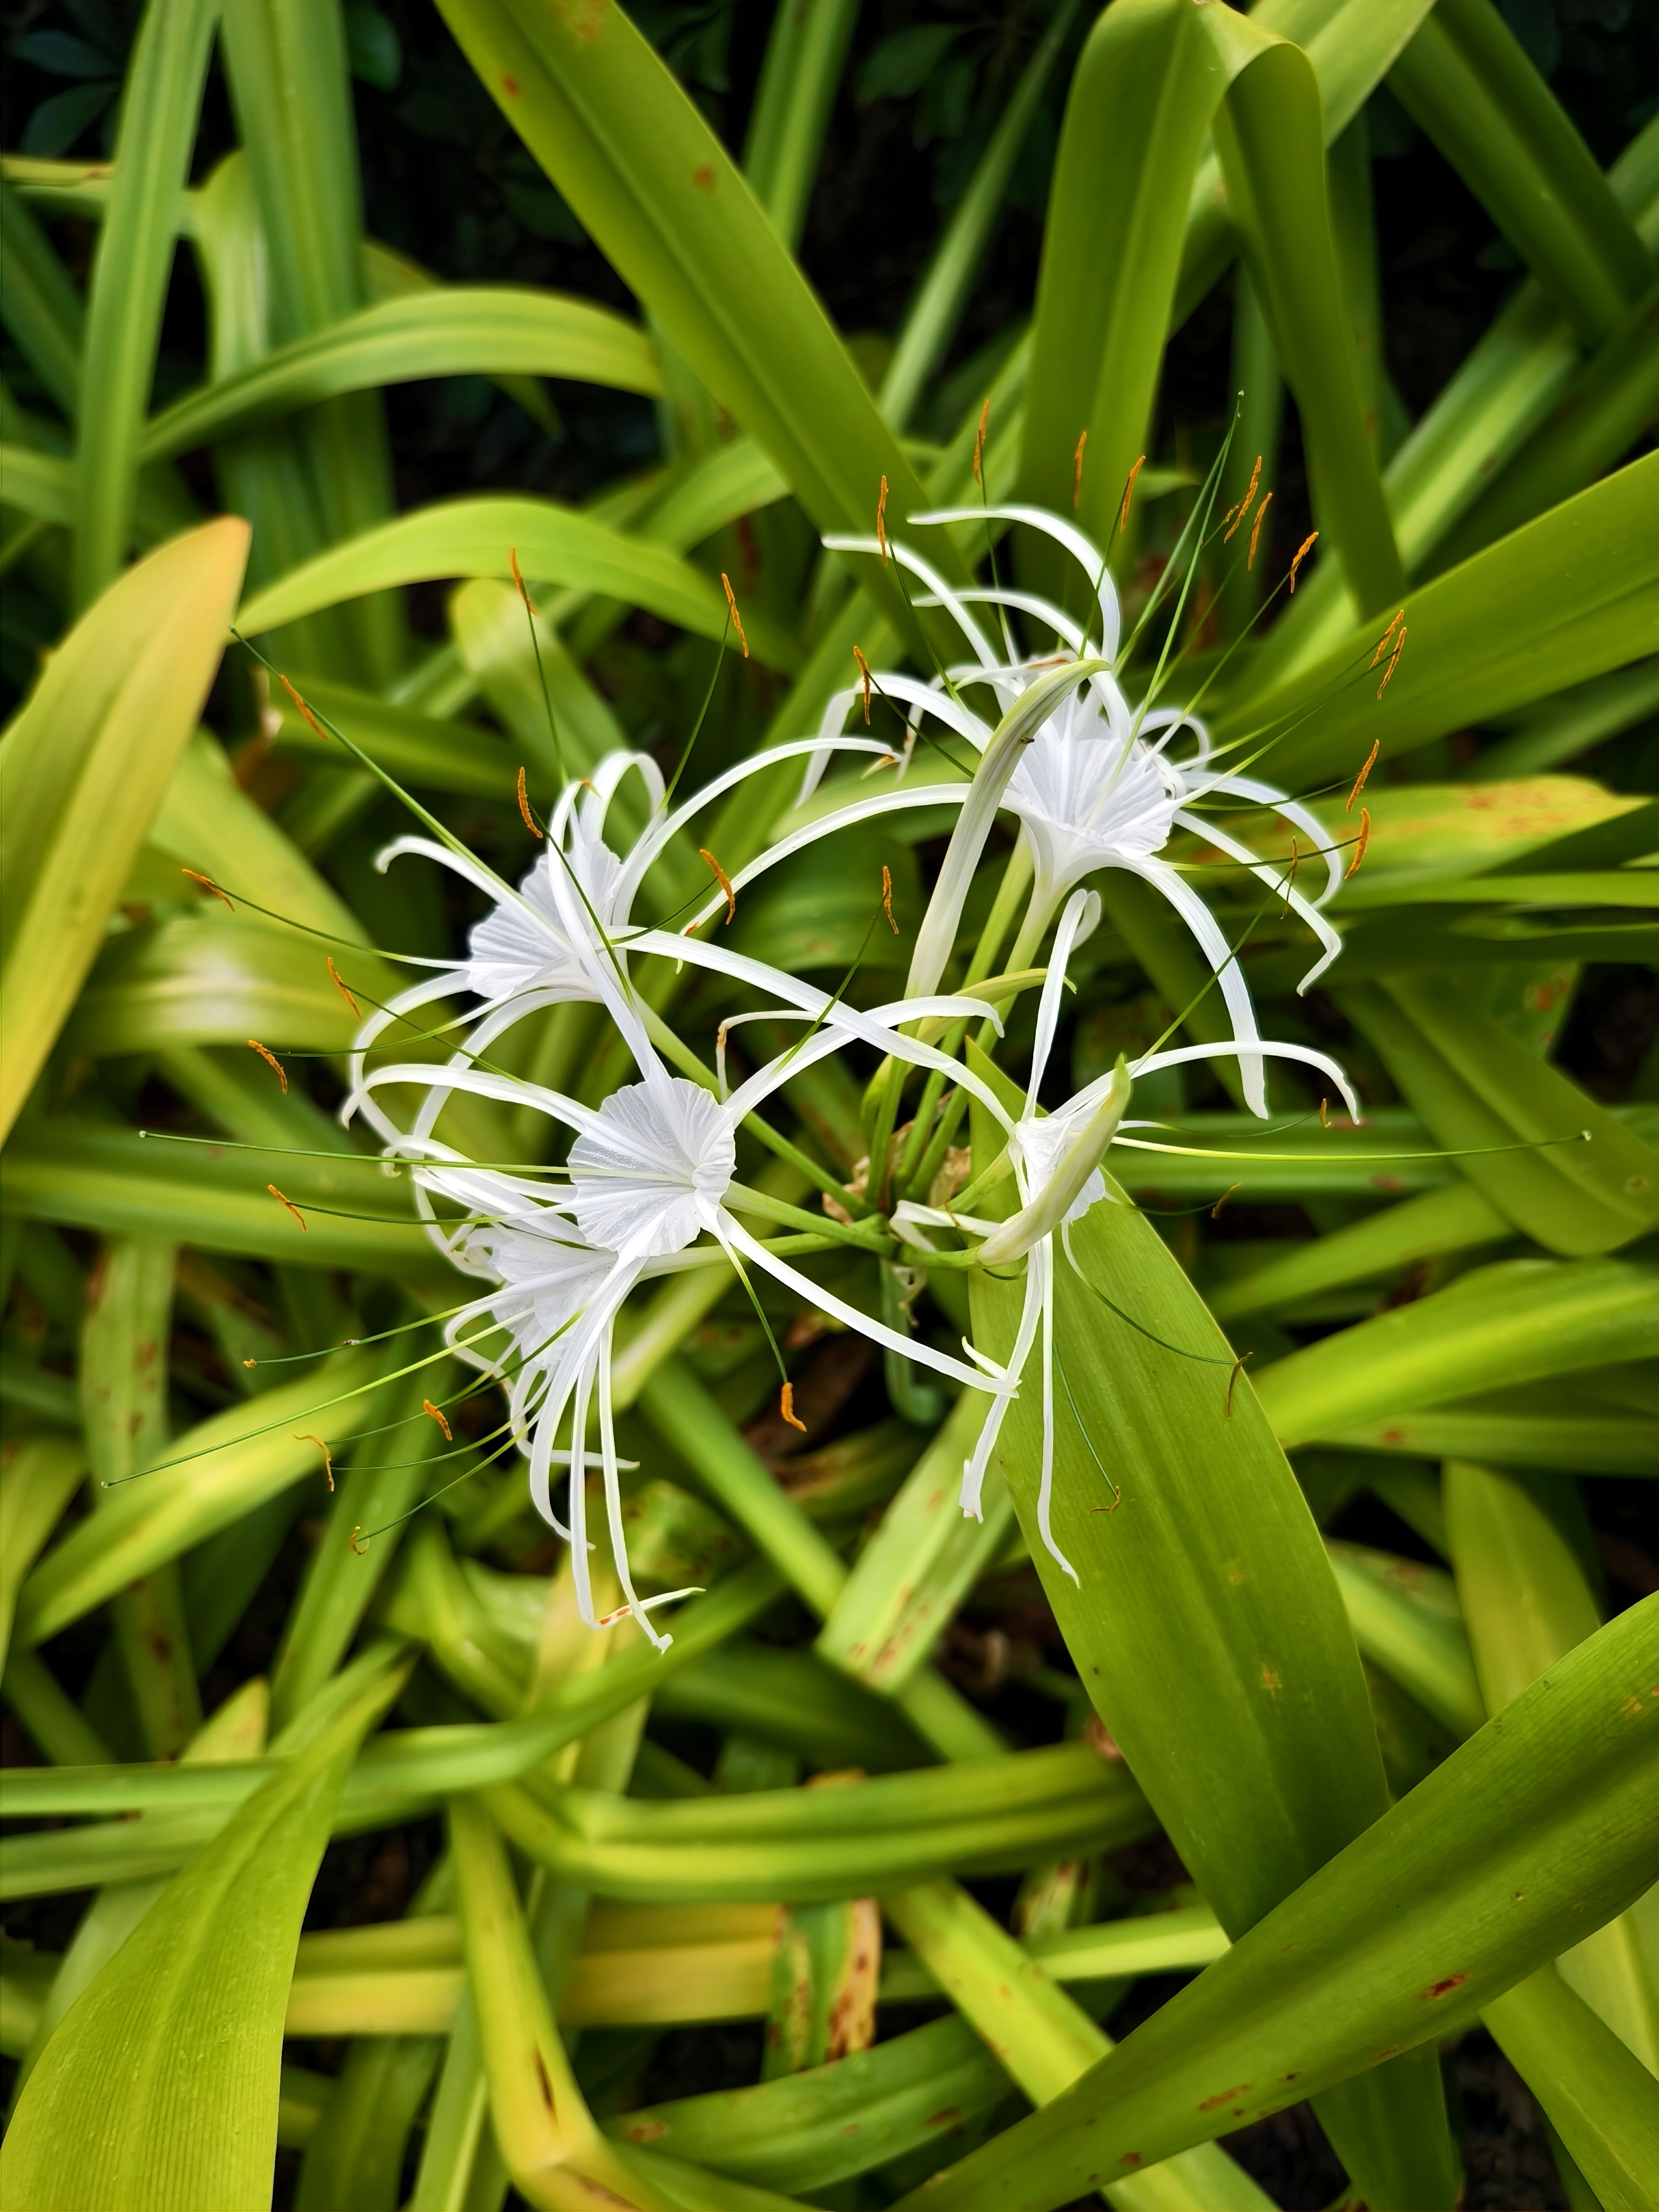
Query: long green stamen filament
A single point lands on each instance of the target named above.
(697, 727)
(536, 648)
(1202, 1358)
(1082, 1430)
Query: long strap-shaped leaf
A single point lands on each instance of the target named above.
(83, 768)
(474, 537)
(661, 197)
(1570, 595)
(1205, 1619)
(159, 2086)
(1476, 1084)
(470, 330)
(130, 276)
(1466, 80)
(1151, 85)
(1529, 1835)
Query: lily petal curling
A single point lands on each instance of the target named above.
(1062, 1160)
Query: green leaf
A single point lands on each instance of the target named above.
(1516, 1321)
(1439, 1221)
(1476, 1084)
(83, 767)
(1525, 1839)
(422, 751)
(219, 1471)
(86, 1177)
(806, 52)
(458, 330)
(1603, 2101)
(655, 189)
(1154, 77)
(211, 979)
(1567, 596)
(161, 2083)
(1204, 1622)
(1465, 79)
(1544, 1425)
(1528, 1604)
(39, 1475)
(474, 538)
(43, 310)
(131, 268)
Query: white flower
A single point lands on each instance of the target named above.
(1055, 1161)
(1097, 786)
(650, 1173)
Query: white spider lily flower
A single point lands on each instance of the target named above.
(564, 933)
(1097, 786)
(650, 1173)
(1055, 1159)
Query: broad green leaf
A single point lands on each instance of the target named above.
(43, 484)
(658, 195)
(212, 979)
(217, 1472)
(1526, 1604)
(1516, 1321)
(1546, 1425)
(474, 537)
(424, 750)
(1466, 80)
(806, 51)
(39, 1475)
(1439, 1221)
(1476, 1085)
(1154, 77)
(1045, 2039)
(977, 1815)
(553, 2150)
(159, 2086)
(1483, 418)
(811, 2131)
(1598, 420)
(88, 1176)
(127, 1326)
(1603, 2103)
(236, 1731)
(458, 330)
(1205, 1619)
(919, 1564)
(83, 767)
(131, 266)
(1426, 1653)
(1525, 1839)
(287, 71)
(1567, 596)
(492, 636)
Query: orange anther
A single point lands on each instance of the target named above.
(1236, 514)
(1128, 493)
(1360, 841)
(1382, 641)
(305, 1437)
(340, 986)
(731, 602)
(786, 1408)
(881, 521)
(301, 705)
(427, 1407)
(291, 1207)
(1077, 469)
(270, 1061)
(1394, 660)
(529, 819)
(517, 578)
(887, 897)
(208, 885)
(1359, 781)
(864, 673)
(723, 880)
(1256, 530)
(1302, 551)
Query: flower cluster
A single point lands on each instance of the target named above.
(646, 1177)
